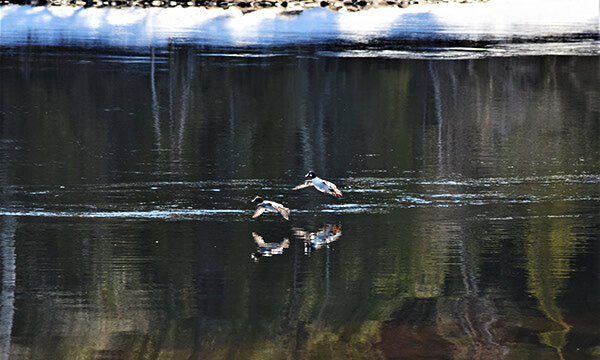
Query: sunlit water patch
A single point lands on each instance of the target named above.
(480, 50)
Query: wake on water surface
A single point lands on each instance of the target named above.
(230, 200)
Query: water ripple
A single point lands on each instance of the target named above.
(227, 199)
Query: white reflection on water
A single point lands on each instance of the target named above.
(589, 47)
(317, 239)
(268, 249)
(151, 214)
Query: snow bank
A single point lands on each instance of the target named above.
(157, 26)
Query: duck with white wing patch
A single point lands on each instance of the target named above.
(323, 186)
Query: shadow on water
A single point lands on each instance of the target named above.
(470, 207)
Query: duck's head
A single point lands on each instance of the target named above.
(311, 175)
(257, 199)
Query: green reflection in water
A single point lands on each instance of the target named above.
(551, 247)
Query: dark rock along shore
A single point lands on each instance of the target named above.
(290, 6)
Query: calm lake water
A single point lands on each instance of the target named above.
(469, 226)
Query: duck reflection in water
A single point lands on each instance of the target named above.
(268, 249)
(318, 239)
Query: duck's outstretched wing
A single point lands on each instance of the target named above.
(307, 183)
(258, 212)
(334, 190)
(285, 212)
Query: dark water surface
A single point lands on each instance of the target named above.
(469, 226)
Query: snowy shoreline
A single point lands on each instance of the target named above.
(496, 19)
(289, 6)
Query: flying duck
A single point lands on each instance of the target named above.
(323, 186)
(266, 205)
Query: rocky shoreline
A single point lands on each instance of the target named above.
(290, 7)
